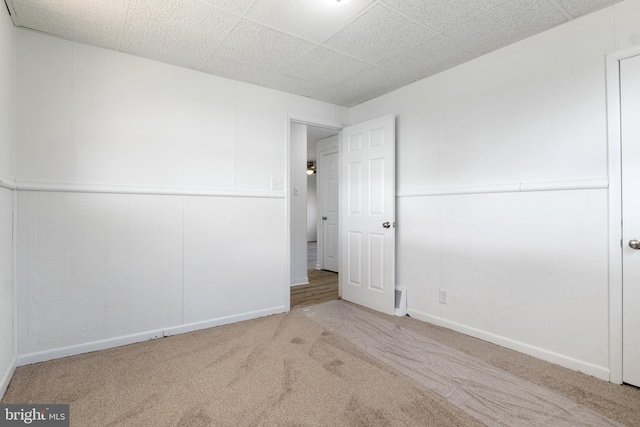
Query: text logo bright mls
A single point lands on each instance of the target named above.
(34, 415)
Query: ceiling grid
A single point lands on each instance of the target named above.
(344, 53)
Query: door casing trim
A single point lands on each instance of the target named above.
(614, 151)
(310, 121)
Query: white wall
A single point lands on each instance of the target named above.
(97, 267)
(7, 330)
(7, 88)
(146, 203)
(524, 269)
(298, 190)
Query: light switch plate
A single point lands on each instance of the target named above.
(276, 183)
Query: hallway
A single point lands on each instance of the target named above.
(323, 285)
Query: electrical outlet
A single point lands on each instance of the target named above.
(444, 298)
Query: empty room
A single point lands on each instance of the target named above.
(464, 172)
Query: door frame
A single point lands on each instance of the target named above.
(614, 142)
(309, 121)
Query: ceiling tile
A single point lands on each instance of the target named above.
(441, 14)
(582, 7)
(255, 44)
(325, 66)
(43, 18)
(235, 6)
(379, 34)
(314, 20)
(294, 85)
(431, 57)
(96, 32)
(512, 21)
(75, 7)
(363, 87)
(181, 32)
(276, 45)
(235, 70)
(92, 22)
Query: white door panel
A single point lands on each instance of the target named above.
(367, 197)
(328, 203)
(329, 177)
(630, 104)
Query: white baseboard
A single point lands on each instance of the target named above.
(6, 379)
(28, 359)
(549, 356)
(300, 281)
(190, 327)
(57, 353)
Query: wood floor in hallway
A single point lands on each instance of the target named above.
(323, 285)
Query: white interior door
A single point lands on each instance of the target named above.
(329, 209)
(630, 105)
(367, 211)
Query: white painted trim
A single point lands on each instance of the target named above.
(514, 187)
(313, 121)
(57, 353)
(6, 378)
(73, 350)
(7, 182)
(15, 275)
(450, 191)
(287, 177)
(220, 321)
(300, 281)
(615, 218)
(614, 147)
(574, 184)
(145, 190)
(540, 353)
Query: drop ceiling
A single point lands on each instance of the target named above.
(340, 52)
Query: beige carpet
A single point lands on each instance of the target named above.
(281, 370)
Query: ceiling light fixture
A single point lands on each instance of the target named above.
(342, 1)
(311, 168)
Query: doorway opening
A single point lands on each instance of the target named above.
(313, 212)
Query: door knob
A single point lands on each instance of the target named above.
(388, 225)
(634, 244)
(324, 218)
